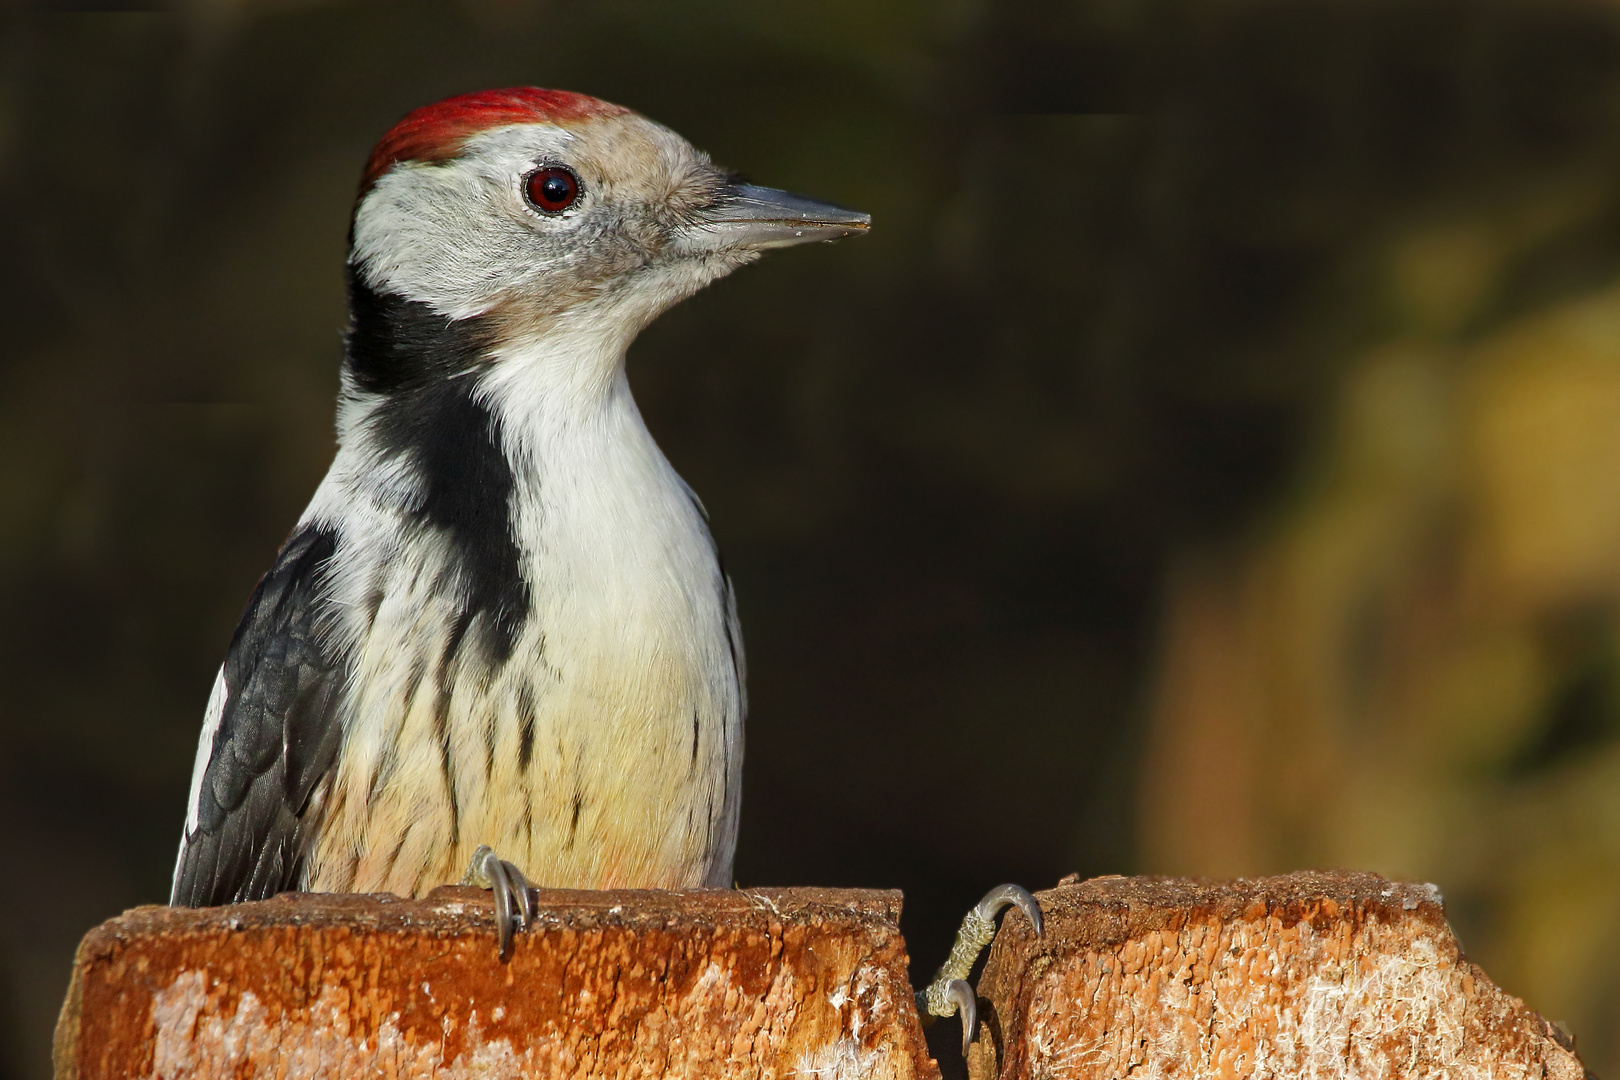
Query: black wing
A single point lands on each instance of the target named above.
(277, 737)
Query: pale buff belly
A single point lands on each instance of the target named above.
(589, 765)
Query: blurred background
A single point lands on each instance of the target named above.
(1209, 465)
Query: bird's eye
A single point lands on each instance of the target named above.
(552, 190)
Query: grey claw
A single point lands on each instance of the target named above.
(526, 894)
(960, 994)
(495, 869)
(1003, 896)
(514, 899)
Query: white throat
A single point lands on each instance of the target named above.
(612, 535)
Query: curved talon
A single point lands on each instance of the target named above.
(531, 906)
(1003, 896)
(506, 881)
(960, 994)
(501, 886)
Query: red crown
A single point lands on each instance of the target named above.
(437, 132)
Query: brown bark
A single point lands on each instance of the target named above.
(752, 983)
(1308, 975)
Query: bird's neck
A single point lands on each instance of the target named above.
(460, 416)
(516, 482)
(565, 383)
(407, 365)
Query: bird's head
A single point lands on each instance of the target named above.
(535, 208)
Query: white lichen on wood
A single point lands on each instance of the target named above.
(1324, 992)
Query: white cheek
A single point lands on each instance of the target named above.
(456, 235)
(436, 235)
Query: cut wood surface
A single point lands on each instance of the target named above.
(1316, 975)
(753, 983)
(1311, 975)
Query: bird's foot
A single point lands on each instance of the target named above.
(950, 992)
(514, 896)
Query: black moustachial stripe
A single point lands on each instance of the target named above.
(397, 345)
(424, 366)
(277, 739)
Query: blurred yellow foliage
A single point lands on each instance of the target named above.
(1409, 670)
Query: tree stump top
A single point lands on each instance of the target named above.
(1114, 907)
(1324, 975)
(458, 910)
(1319, 975)
(756, 982)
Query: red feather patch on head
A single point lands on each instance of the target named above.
(437, 132)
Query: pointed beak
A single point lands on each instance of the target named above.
(743, 215)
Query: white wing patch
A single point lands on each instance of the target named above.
(205, 747)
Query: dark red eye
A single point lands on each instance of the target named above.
(552, 190)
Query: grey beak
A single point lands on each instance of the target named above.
(744, 215)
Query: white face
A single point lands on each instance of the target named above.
(466, 238)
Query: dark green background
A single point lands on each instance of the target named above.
(1120, 257)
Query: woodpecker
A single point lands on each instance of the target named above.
(501, 625)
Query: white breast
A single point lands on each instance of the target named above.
(607, 751)
(639, 689)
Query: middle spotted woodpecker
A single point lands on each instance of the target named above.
(501, 625)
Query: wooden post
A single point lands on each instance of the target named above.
(762, 982)
(1318, 976)
(1311, 975)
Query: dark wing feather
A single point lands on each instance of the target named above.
(277, 738)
